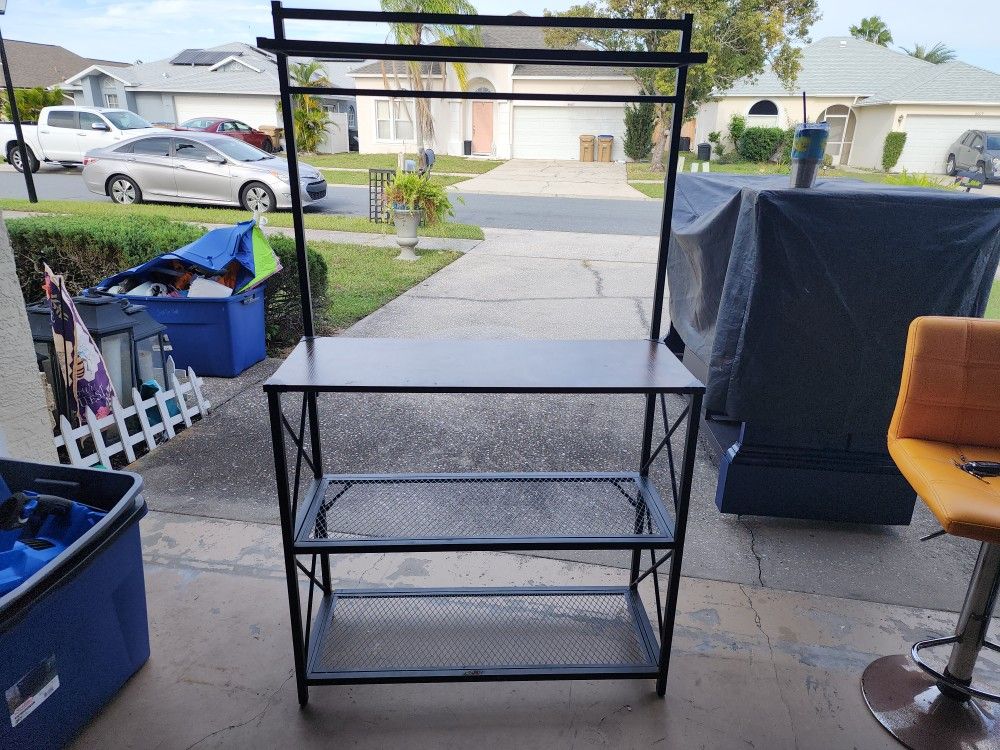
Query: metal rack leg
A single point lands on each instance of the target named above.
(647, 449)
(683, 500)
(312, 407)
(287, 543)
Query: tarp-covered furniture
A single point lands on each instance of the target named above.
(793, 306)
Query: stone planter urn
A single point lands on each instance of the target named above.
(406, 220)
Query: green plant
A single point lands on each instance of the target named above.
(872, 30)
(418, 193)
(939, 53)
(309, 117)
(737, 124)
(715, 138)
(640, 122)
(30, 102)
(760, 144)
(88, 249)
(892, 148)
(918, 179)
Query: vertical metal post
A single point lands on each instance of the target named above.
(683, 500)
(22, 148)
(974, 620)
(288, 120)
(317, 457)
(288, 544)
(670, 183)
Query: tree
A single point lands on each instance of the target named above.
(872, 30)
(640, 122)
(418, 74)
(939, 53)
(308, 115)
(741, 38)
(30, 102)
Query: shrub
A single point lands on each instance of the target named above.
(760, 144)
(86, 250)
(737, 124)
(715, 138)
(892, 148)
(419, 193)
(640, 121)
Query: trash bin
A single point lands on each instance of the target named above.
(704, 152)
(685, 143)
(217, 336)
(586, 148)
(75, 631)
(604, 147)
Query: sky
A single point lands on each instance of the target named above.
(131, 30)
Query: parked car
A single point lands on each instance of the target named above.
(977, 150)
(232, 128)
(64, 134)
(196, 168)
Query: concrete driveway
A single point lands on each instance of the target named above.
(568, 179)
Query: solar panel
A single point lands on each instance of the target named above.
(200, 57)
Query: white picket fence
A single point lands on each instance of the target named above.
(92, 431)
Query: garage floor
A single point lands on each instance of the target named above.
(554, 178)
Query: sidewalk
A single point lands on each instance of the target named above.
(554, 178)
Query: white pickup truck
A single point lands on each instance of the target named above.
(64, 134)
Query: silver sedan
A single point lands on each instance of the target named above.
(196, 168)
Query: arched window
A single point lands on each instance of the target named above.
(764, 107)
(763, 114)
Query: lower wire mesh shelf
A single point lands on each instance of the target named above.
(433, 512)
(428, 635)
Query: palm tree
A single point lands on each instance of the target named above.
(872, 30)
(420, 33)
(309, 117)
(939, 53)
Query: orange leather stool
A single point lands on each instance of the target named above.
(948, 414)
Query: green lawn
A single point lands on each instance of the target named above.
(641, 171)
(443, 163)
(343, 177)
(201, 215)
(993, 306)
(362, 279)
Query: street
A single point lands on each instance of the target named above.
(587, 215)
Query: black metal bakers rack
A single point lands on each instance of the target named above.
(481, 634)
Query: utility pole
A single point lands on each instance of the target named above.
(29, 181)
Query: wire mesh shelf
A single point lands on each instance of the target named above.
(470, 634)
(412, 512)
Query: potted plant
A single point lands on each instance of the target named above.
(413, 198)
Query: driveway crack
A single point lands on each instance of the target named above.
(753, 549)
(598, 280)
(774, 665)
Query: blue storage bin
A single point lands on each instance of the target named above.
(219, 337)
(74, 632)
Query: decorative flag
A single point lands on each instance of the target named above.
(83, 368)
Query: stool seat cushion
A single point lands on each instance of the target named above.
(963, 504)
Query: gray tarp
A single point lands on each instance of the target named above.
(799, 300)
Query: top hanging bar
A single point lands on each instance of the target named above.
(516, 56)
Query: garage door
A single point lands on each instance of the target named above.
(253, 110)
(929, 136)
(554, 132)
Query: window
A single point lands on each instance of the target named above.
(977, 142)
(62, 119)
(191, 150)
(111, 100)
(238, 150)
(198, 123)
(227, 127)
(393, 120)
(967, 138)
(125, 120)
(242, 126)
(89, 119)
(152, 147)
(993, 142)
(352, 117)
(763, 114)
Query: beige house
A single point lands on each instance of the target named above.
(864, 91)
(501, 129)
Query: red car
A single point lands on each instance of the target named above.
(234, 128)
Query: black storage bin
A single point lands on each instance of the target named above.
(704, 151)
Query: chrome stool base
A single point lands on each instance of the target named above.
(908, 703)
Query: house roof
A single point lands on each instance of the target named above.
(838, 66)
(234, 68)
(509, 37)
(952, 82)
(33, 64)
